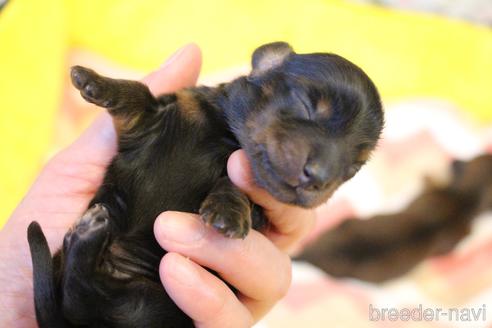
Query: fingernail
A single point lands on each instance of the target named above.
(185, 272)
(174, 56)
(180, 227)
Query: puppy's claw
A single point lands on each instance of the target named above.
(228, 222)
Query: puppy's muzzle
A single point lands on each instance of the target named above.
(314, 176)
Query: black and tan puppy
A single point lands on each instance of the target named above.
(307, 123)
(387, 246)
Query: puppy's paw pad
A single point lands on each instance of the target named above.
(226, 219)
(81, 76)
(93, 88)
(94, 220)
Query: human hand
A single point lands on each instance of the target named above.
(258, 267)
(63, 190)
(66, 185)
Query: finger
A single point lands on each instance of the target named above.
(179, 71)
(289, 223)
(268, 273)
(202, 296)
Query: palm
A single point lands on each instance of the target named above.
(59, 196)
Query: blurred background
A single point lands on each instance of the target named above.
(431, 60)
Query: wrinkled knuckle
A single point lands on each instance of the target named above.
(220, 315)
(217, 308)
(56, 164)
(244, 248)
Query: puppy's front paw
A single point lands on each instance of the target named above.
(93, 87)
(229, 215)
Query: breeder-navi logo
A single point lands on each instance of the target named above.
(428, 314)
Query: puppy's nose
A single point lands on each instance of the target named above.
(314, 176)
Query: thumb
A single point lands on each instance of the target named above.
(290, 223)
(239, 170)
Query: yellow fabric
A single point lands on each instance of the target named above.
(406, 54)
(32, 49)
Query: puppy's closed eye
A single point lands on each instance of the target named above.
(304, 103)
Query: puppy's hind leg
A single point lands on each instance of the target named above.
(87, 237)
(83, 248)
(126, 100)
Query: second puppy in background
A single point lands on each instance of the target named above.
(386, 246)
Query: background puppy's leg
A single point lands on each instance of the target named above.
(227, 209)
(127, 101)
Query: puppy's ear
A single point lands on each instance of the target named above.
(269, 56)
(48, 312)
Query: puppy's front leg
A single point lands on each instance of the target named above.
(227, 209)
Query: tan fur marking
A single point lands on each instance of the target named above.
(323, 108)
(189, 106)
(123, 125)
(267, 89)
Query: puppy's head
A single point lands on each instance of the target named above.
(474, 178)
(307, 121)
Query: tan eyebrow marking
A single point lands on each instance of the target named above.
(323, 108)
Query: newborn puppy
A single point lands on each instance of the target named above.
(387, 246)
(306, 121)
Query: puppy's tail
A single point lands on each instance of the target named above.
(48, 313)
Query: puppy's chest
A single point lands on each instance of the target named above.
(163, 178)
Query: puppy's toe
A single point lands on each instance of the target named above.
(93, 88)
(94, 222)
(93, 92)
(227, 220)
(80, 76)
